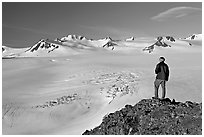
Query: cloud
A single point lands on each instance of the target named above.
(177, 12)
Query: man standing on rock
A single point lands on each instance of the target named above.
(162, 71)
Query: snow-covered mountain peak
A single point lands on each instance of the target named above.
(73, 38)
(43, 44)
(130, 39)
(161, 42)
(194, 37)
(108, 38)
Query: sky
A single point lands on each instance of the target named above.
(23, 24)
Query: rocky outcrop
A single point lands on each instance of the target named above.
(153, 117)
(3, 49)
(170, 38)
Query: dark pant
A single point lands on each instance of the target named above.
(157, 83)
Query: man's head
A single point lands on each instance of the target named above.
(161, 59)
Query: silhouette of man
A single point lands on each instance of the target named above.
(162, 71)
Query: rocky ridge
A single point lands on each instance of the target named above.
(153, 117)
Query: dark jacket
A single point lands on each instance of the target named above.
(162, 71)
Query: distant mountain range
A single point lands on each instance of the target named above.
(75, 44)
(167, 41)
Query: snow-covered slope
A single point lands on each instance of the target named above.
(8, 52)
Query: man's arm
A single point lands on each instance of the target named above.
(157, 69)
(167, 70)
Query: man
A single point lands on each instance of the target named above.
(162, 71)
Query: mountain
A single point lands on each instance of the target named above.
(194, 37)
(68, 45)
(160, 43)
(72, 38)
(153, 117)
(170, 38)
(100, 42)
(44, 45)
(57, 47)
(110, 44)
(130, 39)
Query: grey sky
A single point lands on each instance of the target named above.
(25, 23)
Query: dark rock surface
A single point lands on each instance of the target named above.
(153, 117)
(3, 49)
